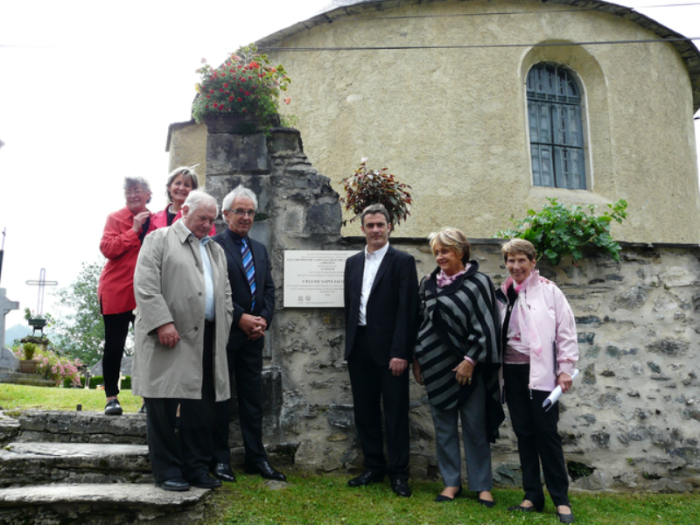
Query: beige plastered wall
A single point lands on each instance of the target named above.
(452, 123)
(188, 147)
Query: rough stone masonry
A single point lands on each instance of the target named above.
(632, 420)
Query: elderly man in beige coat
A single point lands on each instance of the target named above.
(184, 315)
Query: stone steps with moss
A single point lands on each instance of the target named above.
(100, 504)
(24, 464)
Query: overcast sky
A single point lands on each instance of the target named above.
(87, 91)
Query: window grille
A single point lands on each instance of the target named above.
(556, 128)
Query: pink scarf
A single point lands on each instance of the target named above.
(444, 280)
(528, 331)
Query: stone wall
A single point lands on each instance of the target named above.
(632, 420)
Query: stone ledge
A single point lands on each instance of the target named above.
(114, 504)
(31, 463)
(95, 493)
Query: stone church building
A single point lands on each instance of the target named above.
(487, 107)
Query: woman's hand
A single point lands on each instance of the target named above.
(564, 381)
(464, 372)
(139, 219)
(417, 372)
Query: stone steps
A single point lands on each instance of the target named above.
(30, 463)
(100, 504)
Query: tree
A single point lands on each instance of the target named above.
(82, 331)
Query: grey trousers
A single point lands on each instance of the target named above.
(477, 450)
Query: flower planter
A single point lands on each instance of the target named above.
(27, 366)
(232, 123)
(37, 323)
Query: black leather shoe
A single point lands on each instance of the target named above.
(366, 478)
(174, 485)
(566, 518)
(536, 507)
(265, 470)
(400, 486)
(441, 498)
(113, 408)
(223, 472)
(205, 481)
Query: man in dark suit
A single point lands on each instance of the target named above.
(250, 276)
(381, 308)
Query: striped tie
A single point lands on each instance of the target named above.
(249, 269)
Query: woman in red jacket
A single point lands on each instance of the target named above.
(120, 244)
(181, 182)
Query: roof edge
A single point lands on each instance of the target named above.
(687, 50)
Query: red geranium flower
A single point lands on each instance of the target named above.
(247, 93)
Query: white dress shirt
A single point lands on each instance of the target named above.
(372, 263)
(209, 310)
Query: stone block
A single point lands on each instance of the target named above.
(7, 359)
(229, 154)
(324, 218)
(669, 347)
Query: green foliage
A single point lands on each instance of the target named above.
(245, 84)
(29, 350)
(366, 187)
(82, 331)
(558, 230)
(96, 381)
(126, 383)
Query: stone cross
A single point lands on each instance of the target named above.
(5, 306)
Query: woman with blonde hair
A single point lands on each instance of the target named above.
(181, 181)
(540, 352)
(457, 358)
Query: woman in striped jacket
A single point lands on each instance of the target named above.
(457, 358)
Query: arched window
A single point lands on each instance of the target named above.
(556, 129)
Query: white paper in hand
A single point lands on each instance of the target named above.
(556, 394)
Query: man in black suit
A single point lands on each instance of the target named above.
(381, 308)
(250, 275)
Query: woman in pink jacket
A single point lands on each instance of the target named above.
(181, 182)
(540, 351)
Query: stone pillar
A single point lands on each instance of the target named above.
(297, 209)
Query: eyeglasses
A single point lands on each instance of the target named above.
(249, 213)
(134, 191)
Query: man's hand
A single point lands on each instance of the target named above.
(139, 219)
(253, 326)
(564, 381)
(168, 335)
(397, 366)
(464, 372)
(417, 373)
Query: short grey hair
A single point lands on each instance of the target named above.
(198, 197)
(187, 173)
(239, 191)
(130, 182)
(373, 209)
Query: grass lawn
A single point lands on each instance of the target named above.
(14, 398)
(327, 499)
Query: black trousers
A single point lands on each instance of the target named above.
(538, 438)
(187, 454)
(245, 370)
(116, 330)
(374, 385)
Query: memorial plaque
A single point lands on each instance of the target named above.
(314, 279)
